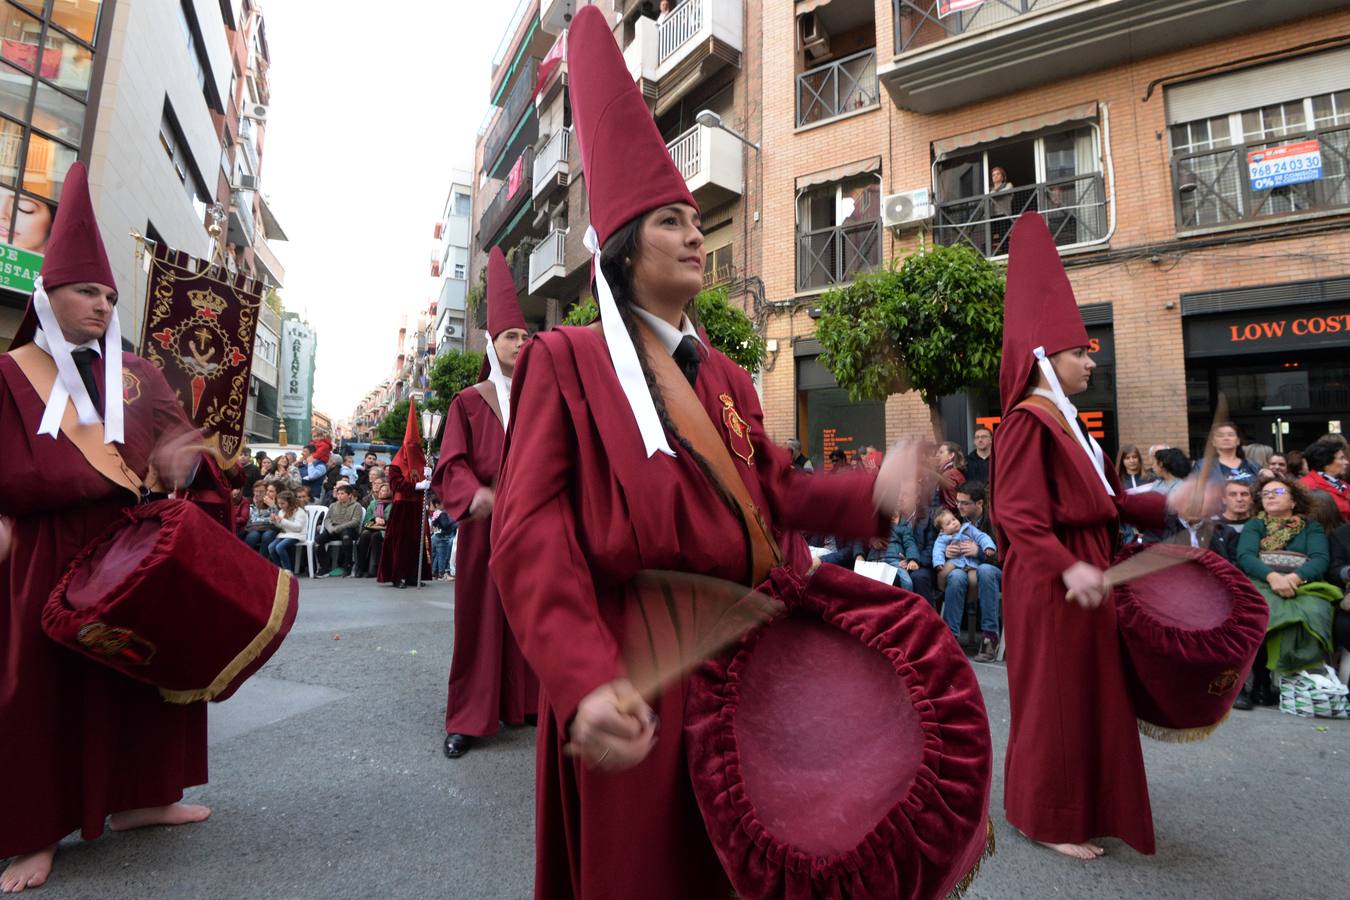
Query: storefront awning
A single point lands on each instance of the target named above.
(839, 173)
(949, 146)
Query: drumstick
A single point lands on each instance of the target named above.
(678, 621)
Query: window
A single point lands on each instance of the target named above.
(838, 231)
(719, 267)
(462, 204)
(982, 190)
(175, 147)
(1211, 182)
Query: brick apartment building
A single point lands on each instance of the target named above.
(1130, 124)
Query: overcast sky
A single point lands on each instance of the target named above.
(369, 114)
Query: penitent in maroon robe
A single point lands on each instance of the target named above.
(490, 681)
(403, 534)
(79, 740)
(580, 510)
(1074, 768)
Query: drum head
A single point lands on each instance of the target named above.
(842, 750)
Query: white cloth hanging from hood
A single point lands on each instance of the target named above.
(69, 385)
(1057, 396)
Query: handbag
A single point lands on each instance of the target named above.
(1284, 561)
(1314, 693)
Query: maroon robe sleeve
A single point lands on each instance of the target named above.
(1024, 457)
(454, 478)
(540, 568)
(804, 501)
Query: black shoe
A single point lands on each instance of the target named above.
(1265, 695)
(1244, 700)
(456, 745)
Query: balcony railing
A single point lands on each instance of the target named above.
(518, 103)
(506, 203)
(838, 87)
(1212, 188)
(918, 24)
(1074, 209)
(552, 160)
(547, 256)
(519, 264)
(262, 425)
(834, 255)
(685, 151)
(681, 25)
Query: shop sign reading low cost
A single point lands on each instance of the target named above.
(1313, 327)
(18, 268)
(1286, 164)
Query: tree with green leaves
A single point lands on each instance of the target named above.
(934, 325)
(394, 424)
(452, 372)
(729, 328)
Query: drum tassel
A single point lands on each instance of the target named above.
(1178, 735)
(964, 884)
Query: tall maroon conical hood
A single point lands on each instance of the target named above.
(1038, 307)
(74, 248)
(503, 310)
(627, 167)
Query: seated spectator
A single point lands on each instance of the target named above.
(443, 529)
(1228, 525)
(1130, 467)
(341, 528)
(962, 549)
(1295, 464)
(290, 520)
(949, 458)
(362, 482)
(974, 507)
(283, 476)
(303, 498)
(799, 459)
(1278, 465)
(1171, 466)
(838, 461)
(330, 479)
(259, 531)
(1259, 455)
(252, 471)
(1229, 462)
(1339, 575)
(240, 504)
(1327, 463)
(348, 469)
(925, 535)
(1285, 553)
(373, 525)
(899, 551)
(977, 463)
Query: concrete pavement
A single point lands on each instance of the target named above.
(328, 781)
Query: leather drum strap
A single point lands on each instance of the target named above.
(488, 391)
(1050, 409)
(40, 370)
(691, 419)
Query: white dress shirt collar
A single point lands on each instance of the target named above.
(668, 335)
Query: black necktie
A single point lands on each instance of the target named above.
(688, 357)
(84, 362)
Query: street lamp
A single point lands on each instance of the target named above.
(710, 119)
(431, 423)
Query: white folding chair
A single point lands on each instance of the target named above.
(312, 529)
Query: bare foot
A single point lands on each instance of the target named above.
(173, 814)
(27, 871)
(1077, 851)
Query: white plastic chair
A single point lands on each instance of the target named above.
(312, 529)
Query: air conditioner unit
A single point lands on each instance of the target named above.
(906, 208)
(815, 42)
(255, 111)
(246, 182)
(452, 330)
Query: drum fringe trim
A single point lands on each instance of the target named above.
(280, 603)
(1178, 735)
(959, 891)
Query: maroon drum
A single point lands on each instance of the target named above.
(1190, 633)
(843, 750)
(170, 598)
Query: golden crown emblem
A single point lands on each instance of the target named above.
(207, 301)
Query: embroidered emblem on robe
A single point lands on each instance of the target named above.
(131, 386)
(738, 430)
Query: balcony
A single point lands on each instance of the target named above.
(505, 209)
(553, 166)
(556, 15)
(837, 88)
(240, 229)
(1004, 46)
(518, 261)
(552, 76)
(698, 38)
(712, 164)
(454, 292)
(267, 264)
(1212, 189)
(261, 428)
(1074, 209)
(516, 127)
(547, 263)
(831, 256)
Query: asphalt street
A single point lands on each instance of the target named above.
(328, 781)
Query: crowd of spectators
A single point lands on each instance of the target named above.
(1284, 522)
(281, 494)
